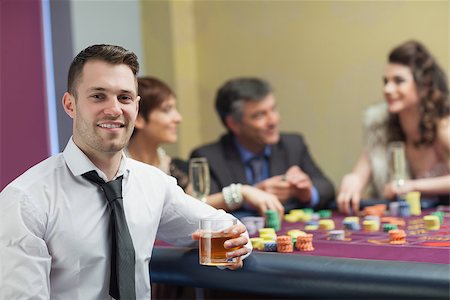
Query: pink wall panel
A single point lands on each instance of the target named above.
(23, 108)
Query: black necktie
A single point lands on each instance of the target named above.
(121, 284)
(256, 164)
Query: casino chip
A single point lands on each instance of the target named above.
(403, 209)
(388, 227)
(304, 242)
(257, 243)
(397, 237)
(325, 214)
(371, 225)
(432, 222)
(270, 246)
(284, 244)
(311, 227)
(272, 219)
(253, 224)
(336, 235)
(326, 224)
(440, 215)
(351, 223)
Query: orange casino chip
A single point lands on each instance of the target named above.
(284, 239)
(285, 248)
(304, 242)
(397, 237)
(393, 220)
(284, 243)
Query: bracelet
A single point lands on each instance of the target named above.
(233, 196)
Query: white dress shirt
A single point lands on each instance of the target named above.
(54, 237)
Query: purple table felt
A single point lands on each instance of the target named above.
(421, 245)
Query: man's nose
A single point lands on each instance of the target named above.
(274, 117)
(113, 108)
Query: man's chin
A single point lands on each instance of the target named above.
(114, 146)
(272, 140)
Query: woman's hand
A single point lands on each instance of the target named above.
(349, 194)
(261, 200)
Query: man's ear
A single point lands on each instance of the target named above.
(232, 124)
(138, 100)
(68, 103)
(140, 122)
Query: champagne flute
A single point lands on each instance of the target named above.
(199, 177)
(397, 164)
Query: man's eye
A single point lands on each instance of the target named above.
(258, 116)
(98, 96)
(125, 98)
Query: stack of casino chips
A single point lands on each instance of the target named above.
(351, 223)
(375, 218)
(311, 225)
(397, 237)
(257, 243)
(432, 222)
(388, 227)
(272, 220)
(308, 211)
(371, 225)
(268, 234)
(375, 210)
(440, 215)
(325, 213)
(304, 214)
(270, 246)
(393, 208)
(336, 235)
(403, 209)
(253, 224)
(326, 224)
(393, 220)
(304, 242)
(294, 233)
(295, 215)
(284, 244)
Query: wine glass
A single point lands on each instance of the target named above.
(199, 177)
(397, 164)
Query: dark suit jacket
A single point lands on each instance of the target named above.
(226, 166)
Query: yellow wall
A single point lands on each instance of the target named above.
(325, 60)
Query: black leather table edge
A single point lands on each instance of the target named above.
(296, 276)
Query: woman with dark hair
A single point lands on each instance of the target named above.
(157, 124)
(416, 112)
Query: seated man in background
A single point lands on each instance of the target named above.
(254, 152)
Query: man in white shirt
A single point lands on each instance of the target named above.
(55, 239)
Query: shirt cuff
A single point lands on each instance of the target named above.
(314, 197)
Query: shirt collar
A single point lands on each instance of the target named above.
(247, 155)
(78, 163)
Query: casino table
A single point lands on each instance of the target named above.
(363, 266)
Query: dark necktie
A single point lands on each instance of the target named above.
(121, 284)
(256, 165)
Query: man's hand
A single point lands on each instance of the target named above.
(277, 186)
(237, 243)
(301, 185)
